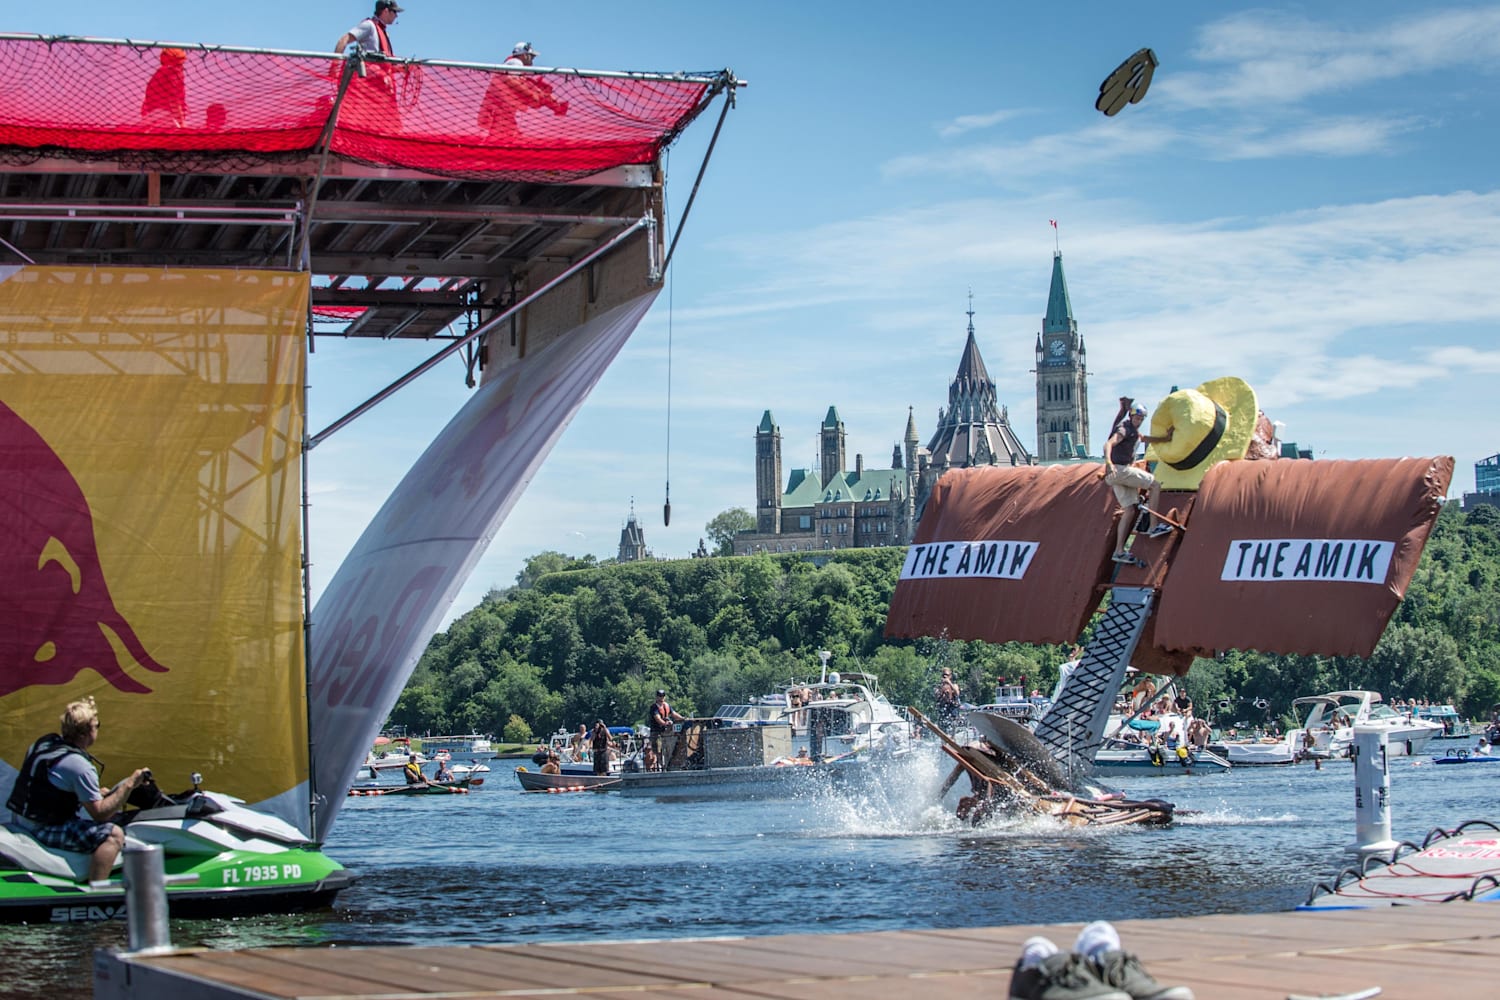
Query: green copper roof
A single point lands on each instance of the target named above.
(1059, 309)
(832, 420)
(802, 489)
(767, 423)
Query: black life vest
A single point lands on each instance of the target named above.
(34, 795)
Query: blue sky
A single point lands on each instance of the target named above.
(1306, 198)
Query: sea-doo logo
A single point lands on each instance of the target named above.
(87, 914)
(996, 560)
(1342, 560)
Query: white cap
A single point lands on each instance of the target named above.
(523, 49)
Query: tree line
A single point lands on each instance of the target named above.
(575, 640)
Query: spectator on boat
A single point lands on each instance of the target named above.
(948, 697)
(600, 741)
(578, 743)
(58, 777)
(552, 766)
(444, 772)
(648, 759)
(413, 771)
(1128, 479)
(659, 719)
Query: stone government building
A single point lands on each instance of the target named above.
(835, 507)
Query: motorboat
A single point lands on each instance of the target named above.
(1136, 745)
(1129, 762)
(577, 761)
(846, 713)
(1257, 751)
(1457, 732)
(232, 861)
(470, 749)
(1328, 722)
(1012, 702)
(541, 781)
(1480, 755)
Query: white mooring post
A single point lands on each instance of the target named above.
(1372, 792)
(146, 900)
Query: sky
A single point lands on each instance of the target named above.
(1306, 198)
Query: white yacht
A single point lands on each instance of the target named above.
(470, 749)
(1327, 729)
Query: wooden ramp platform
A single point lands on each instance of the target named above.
(1413, 953)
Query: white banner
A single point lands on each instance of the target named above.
(1335, 560)
(990, 559)
(383, 605)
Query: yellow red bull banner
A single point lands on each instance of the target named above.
(150, 438)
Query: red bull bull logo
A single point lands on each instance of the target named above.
(56, 614)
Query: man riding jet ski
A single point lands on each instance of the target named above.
(58, 778)
(221, 858)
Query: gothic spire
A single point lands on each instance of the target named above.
(1059, 317)
(971, 370)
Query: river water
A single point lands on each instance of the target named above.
(501, 866)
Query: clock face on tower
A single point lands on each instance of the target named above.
(1057, 348)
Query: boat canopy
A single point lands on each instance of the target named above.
(176, 106)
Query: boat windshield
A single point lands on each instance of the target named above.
(1318, 711)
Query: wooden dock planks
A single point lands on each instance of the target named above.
(1415, 952)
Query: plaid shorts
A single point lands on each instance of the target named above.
(79, 834)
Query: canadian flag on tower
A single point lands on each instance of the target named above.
(1054, 223)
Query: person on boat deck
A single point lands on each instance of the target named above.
(57, 777)
(947, 696)
(600, 746)
(413, 771)
(660, 720)
(1127, 479)
(552, 766)
(444, 772)
(578, 743)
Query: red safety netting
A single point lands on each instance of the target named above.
(204, 108)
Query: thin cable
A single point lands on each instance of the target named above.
(666, 507)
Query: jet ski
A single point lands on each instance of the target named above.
(221, 858)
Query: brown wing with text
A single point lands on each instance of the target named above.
(1300, 557)
(1007, 554)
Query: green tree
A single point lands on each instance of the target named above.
(517, 731)
(724, 526)
(543, 563)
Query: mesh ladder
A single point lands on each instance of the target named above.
(1073, 728)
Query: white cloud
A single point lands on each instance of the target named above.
(970, 123)
(1041, 156)
(1276, 58)
(1334, 136)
